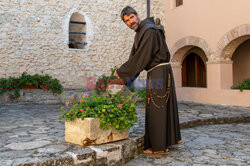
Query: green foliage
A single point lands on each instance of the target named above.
(244, 85)
(102, 82)
(142, 94)
(3, 85)
(114, 111)
(26, 81)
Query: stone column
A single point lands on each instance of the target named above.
(219, 74)
(226, 74)
(177, 74)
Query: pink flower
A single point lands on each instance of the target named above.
(85, 95)
(72, 97)
(67, 104)
(120, 105)
(81, 110)
(81, 100)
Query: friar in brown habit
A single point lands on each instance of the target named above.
(150, 53)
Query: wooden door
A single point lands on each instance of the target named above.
(193, 71)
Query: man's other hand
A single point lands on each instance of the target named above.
(115, 74)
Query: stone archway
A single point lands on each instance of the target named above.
(227, 49)
(241, 61)
(182, 46)
(230, 42)
(193, 68)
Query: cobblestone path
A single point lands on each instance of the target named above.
(31, 133)
(225, 144)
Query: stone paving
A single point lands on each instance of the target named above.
(31, 133)
(224, 144)
(195, 114)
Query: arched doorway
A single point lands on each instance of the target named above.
(241, 61)
(193, 71)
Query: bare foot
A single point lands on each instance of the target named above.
(148, 151)
(179, 142)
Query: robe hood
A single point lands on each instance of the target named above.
(143, 26)
(146, 23)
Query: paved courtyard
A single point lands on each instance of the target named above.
(225, 144)
(31, 133)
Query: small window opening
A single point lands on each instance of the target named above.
(179, 3)
(77, 31)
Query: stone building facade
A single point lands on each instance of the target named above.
(34, 37)
(209, 41)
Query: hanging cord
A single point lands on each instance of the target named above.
(166, 95)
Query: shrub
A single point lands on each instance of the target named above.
(245, 84)
(27, 81)
(103, 81)
(142, 94)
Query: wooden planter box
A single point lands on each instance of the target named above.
(88, 132)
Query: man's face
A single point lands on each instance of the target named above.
(132, 21)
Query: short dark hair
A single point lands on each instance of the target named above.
(127, 11)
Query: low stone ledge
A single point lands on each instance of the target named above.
(210, 121)
(116, 153)
(41, 96)
(38, 96)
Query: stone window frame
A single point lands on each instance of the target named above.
(89, 29)
(77, 31)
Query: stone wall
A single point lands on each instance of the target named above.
(34, 37)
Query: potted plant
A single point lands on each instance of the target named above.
(98, 119)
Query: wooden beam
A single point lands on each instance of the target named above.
(148, 8)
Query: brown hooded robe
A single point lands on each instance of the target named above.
(150, 49)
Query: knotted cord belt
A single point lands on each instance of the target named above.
(161, 64)
(150, 95)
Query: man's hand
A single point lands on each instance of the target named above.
(115, 74)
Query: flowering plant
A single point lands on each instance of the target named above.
(103, 81)
(27, 81)
(244, 85)
(117, 111)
